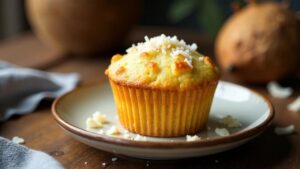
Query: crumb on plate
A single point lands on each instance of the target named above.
(192, 138)
(231, 122)
(139, 138)
(222, 132)
(100, 118)
(91, 123)
(114, 130)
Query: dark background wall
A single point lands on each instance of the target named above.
(155, 12)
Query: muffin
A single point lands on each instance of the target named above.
(163, 87)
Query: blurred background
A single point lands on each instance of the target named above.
(259, 38)
(206, 16)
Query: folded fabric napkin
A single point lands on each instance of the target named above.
(15, 156)
(21, 90)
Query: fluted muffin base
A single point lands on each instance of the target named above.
(163, 113)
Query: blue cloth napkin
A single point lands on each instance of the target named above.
(15, 156)
(21, 90)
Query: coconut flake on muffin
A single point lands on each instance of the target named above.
(162, 62)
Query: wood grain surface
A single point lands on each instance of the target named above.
(41, 132)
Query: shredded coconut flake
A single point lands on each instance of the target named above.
(193, 46)
(100, 118)
(192, 138)
(18, 140)
(279, 92)
(295, 105)
(222, 132)
(139, 138)
(189, 62)
(164, 43)
(127, 136)
(284, 130)
(101, 131)
(91, 123)
(231, 122)
(96, 121)
(175, 53)
(114, 130)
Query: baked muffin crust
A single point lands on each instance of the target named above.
(162, 62)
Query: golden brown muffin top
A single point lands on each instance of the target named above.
(162, 62)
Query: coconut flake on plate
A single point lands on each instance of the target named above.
(222, 132)
(295, 105)
(127, 136)
(192, 138)
(139, 138)
(278, 91)
(114, 130)
(285, 130)
(100, 118)
(101, 131)
(231, 122)
(92, 123)
(96, 121)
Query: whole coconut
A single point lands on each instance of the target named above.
(82, 26)
(260, 43)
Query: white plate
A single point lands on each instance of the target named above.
(251, 109)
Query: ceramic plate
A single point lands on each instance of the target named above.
(252, 110)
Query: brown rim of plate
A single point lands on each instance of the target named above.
(238, 136)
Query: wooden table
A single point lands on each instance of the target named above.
(41, 132)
